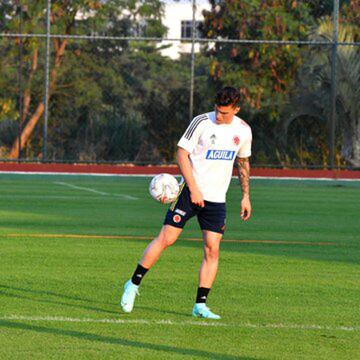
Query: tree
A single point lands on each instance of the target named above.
(67, 17)
(110, 83)
(311, 97)
(263, 73)
(321, 8)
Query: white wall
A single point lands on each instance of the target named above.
(175, 12)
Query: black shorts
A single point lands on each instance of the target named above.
(212, 217)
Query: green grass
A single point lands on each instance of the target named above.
(307, 275)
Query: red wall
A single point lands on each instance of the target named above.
(150, 170)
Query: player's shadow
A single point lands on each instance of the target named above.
(43, 292)
(118, 341)
(9, 294)
(4, 291)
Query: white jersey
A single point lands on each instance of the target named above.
(213, 148)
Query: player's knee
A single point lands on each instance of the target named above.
(166, 240)
(212, 252)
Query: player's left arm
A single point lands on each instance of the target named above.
(243, 172)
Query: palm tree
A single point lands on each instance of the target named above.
(312, 96)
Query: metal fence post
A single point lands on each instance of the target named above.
(192, 73)
(333, 83)
(47, 66)
(20, 8)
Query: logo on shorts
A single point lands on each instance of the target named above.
(182, 213)
(176, 218)
(220, 155)
(236, 140)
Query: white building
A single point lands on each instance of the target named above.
(178, 19)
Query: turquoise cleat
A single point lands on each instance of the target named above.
(202, 311)
(128, 296)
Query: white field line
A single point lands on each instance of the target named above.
(177, 323)
(153, 174)
(128, 197)
(67, 197)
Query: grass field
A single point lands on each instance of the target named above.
(288, 285)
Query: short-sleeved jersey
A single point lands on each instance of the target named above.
(213, 148)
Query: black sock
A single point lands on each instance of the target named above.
(138, 274)
(202, 294)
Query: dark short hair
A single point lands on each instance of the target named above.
(227, 96)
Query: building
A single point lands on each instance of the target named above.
(178, 17)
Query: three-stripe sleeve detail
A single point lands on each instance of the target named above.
(190, 131)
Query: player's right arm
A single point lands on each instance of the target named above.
(186, 146)
(186, 171)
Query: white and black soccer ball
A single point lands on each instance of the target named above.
(164, 188)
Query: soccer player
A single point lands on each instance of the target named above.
(206, 154)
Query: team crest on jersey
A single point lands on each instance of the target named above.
(236, 140)
(213, 139)
(220, 155)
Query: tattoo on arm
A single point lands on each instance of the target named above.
(243, 170)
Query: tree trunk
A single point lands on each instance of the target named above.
(25, 134)
(30, 125)
(27, 92)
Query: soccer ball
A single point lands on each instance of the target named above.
(164, 188)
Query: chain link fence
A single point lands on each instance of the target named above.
(94, 82)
